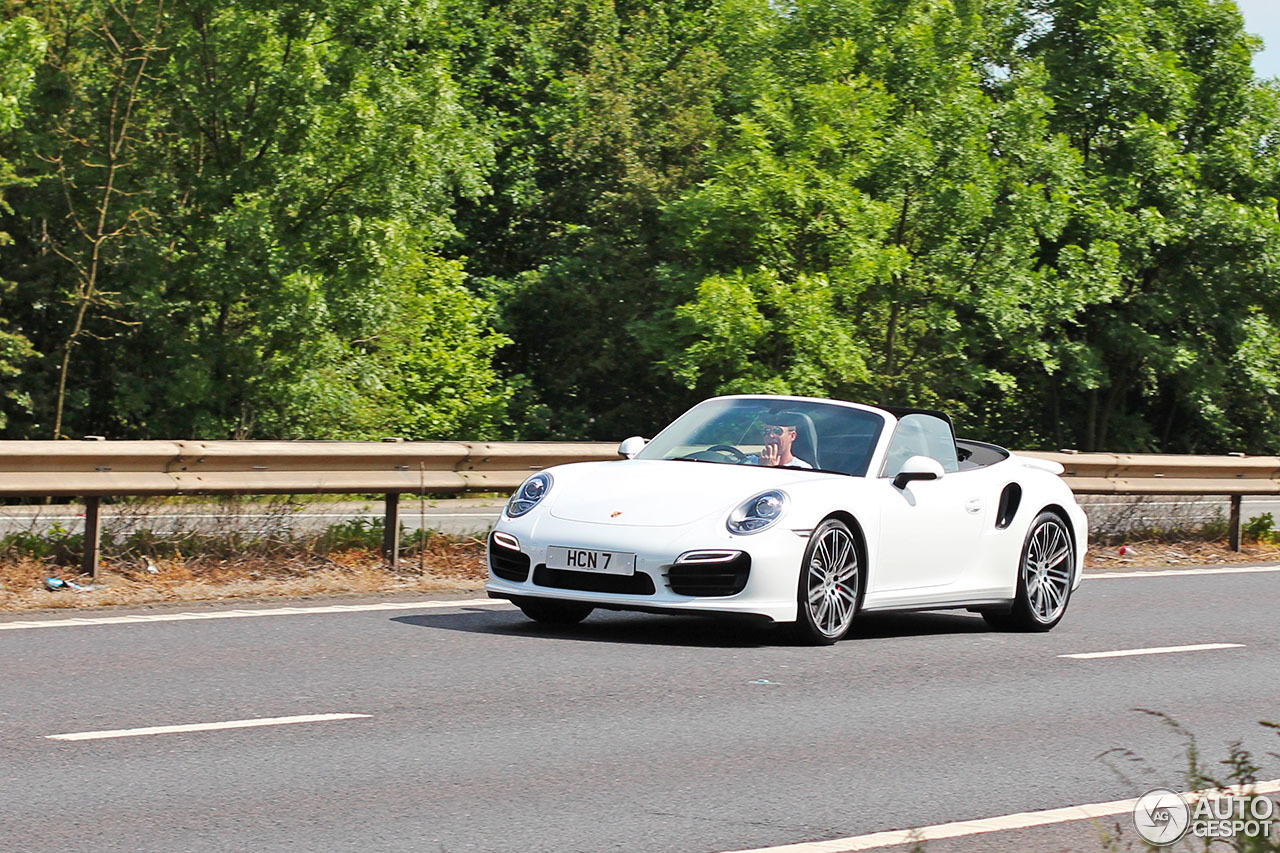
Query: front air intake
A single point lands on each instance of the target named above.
(507, 563)
(710, 573)
(637, 584)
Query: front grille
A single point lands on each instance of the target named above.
(637, 584)
(508, 564)
(703, 579)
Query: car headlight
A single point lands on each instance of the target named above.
(758, 513)
(528, 495)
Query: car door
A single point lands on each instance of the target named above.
(929, 529)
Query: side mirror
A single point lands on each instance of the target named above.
(918, 468)
(631, 446)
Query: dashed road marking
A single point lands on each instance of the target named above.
(1157, 650)
(207, 727)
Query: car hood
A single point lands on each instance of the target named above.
(658, 493)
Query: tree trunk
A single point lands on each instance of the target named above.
(1119, 387)
(1091, 422)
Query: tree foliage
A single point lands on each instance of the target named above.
(21, 45)
(1055, 218)
(237, 226)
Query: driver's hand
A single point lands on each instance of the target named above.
(770, 455)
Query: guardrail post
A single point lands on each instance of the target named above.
(1233, 533)
(92, 537)
(391, 530)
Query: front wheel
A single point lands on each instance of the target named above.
(830, 585)
(1044, 578)
(554, 612)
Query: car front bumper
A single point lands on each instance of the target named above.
(770, 589)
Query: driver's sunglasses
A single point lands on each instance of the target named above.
(773, 430)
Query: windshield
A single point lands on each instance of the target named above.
(764, 431)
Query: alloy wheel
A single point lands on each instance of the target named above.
(832, 584)
(1046, 570)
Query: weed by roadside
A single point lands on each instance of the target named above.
(1261, 529)
(226, 560)
(1238, 769)
(1141, 534)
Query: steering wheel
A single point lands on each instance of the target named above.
(738, 456)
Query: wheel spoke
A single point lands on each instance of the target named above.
(837, 613)
(1059, 539)
(846, 552)
(1029, 570)
(827, 546)
(1052, 599)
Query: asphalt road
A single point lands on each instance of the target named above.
(486, 732)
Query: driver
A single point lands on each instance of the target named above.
(779, 433)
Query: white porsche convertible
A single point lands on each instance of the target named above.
(795, 510)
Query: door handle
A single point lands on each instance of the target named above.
(973, 506)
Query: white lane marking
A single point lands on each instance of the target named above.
(1168, 573)
(1156, 650)
(413, 605)
(1022, 820)
(207, 727)
(240, 614)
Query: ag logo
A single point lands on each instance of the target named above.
(615, 514)
(1161, 816)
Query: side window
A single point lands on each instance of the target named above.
(921, 435)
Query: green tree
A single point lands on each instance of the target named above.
(21, 45)
(887, 220)
(1179, 149)
(277, 225)
(603, 112)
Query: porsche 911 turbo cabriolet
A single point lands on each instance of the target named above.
(795, 510)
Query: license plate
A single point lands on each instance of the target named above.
(587, 560)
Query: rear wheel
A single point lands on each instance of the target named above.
(1044, 578)
(554, 612)
(830, 585)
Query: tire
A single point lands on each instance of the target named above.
(829, 592)
(1045, 571)
(553, 612)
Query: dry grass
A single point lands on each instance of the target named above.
(1159, 553)
(447, 564)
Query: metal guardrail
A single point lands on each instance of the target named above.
(1166, 474)
(102, 468)
(1234, 476)
(95, 469)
